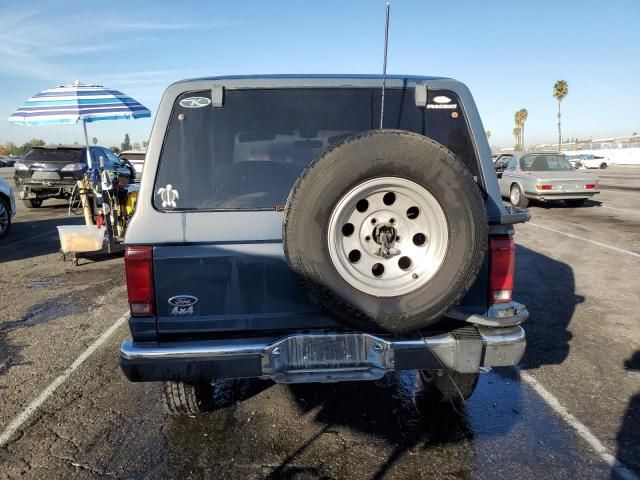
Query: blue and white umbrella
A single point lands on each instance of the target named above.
(71, 104)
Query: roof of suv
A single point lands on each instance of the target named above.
(328, 79)
(66, 147)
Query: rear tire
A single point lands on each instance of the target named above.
(451, 386)
(517, 198)
(33, 203)
(576, 203)
(603, 166)
(187, 399)
(5, 217)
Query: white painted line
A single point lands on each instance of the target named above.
(582, 431)
(18, 421)
(615, 191)
(637, 212)
(594, 242)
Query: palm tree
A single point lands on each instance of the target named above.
(523, 118)
(560, 91)
(518, 121)
(516, 135)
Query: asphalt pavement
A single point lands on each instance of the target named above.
(571, 410)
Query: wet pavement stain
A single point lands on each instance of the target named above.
(43, 283)
(384, 429)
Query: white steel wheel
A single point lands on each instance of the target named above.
(515, 196)
(387, 236)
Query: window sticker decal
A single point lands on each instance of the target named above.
(169, 196)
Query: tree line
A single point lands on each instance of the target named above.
(11, 148)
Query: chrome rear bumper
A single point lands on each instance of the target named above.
(323, 357)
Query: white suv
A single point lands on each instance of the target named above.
(594, 161)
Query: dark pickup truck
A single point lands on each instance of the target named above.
(281, 233)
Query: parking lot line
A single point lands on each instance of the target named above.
(594, 242)
(582, 431)
(18, 421)
(637, 212)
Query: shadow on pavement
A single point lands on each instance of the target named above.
(33, 238)
(628, 439)
(547, 287)
(397, 410)
(393, 409)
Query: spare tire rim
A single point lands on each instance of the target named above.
(388, 236)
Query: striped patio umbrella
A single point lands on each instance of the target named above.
(71, 104)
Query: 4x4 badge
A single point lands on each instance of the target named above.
(168, 195)
(182, 305)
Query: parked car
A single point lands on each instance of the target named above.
(575, 161)
(6, 161)
(594, 161)
(7, 207)
(135, 158)
(501, 161)
(545, 176)
(280, 237)
(52, 171)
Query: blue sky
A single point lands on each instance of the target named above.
(508, 52)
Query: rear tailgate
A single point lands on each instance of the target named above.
(236, 287)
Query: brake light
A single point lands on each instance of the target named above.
(138, 266)
(591, 185)
(544, 187)
(501, 268)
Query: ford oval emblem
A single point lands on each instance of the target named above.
(441, 99)
(195, 102)
(183, 301)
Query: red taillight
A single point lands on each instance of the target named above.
(591, 185)
(501, 267)
(544, 187)
(138, 266)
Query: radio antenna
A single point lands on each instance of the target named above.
(384, 65)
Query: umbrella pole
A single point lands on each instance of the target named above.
(86, 140)
(83, 185)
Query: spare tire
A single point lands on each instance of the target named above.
(387, 230)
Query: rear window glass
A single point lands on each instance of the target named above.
(541, 163)
(248, 153)
(43, 155)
